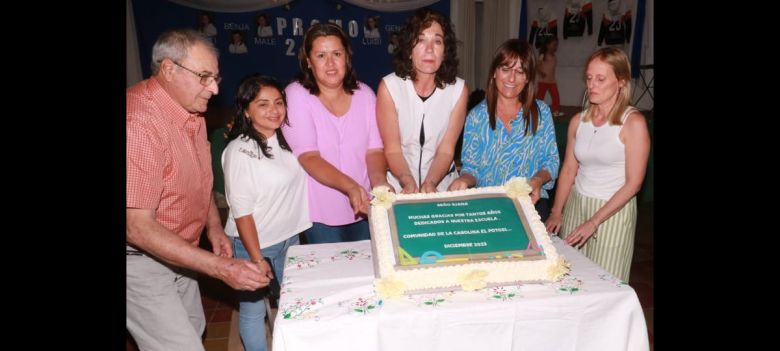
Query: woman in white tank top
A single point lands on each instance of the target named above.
(421, 107)
(605, 162)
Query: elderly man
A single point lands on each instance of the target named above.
(169, 201)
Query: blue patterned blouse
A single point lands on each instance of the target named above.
(495, 156)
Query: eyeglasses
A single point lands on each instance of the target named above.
(205, 78)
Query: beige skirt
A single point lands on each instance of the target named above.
(612, 246)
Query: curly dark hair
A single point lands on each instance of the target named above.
(421, 20)
(306, 76)
(242, 126)
(507, 54)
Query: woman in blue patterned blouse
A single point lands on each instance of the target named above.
(523, 143)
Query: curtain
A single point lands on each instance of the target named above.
(464, 21)
(497, 18)
(391, 5)
(232, 5)
(133, 62)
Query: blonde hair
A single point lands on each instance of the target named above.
(618, 60)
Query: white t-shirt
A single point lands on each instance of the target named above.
(273, 191)
(410, 109)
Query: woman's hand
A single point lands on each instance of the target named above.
(553, 223)
(428, 187)
(408, 185)
(536, 189)
(580, 235)
(265, 268)
(358, 199)
(458, 184)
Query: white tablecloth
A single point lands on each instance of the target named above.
(328, 303)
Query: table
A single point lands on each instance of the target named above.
(328, 303)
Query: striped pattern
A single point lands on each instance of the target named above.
(612, 246)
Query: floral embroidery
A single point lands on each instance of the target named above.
(350, 254)
(431, 300)
(300, 309)
(608, 277)
(569, 284)
(503, 293)
(285, 287)
(302, 261)
(364, 306)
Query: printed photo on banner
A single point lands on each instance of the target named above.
(394, 43)
(371, 27)
(264, 29)
(237, 45)
(205, 25)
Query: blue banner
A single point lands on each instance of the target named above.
(272, 49)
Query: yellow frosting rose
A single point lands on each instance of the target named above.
(558, 269)
(389, 288)
(517, 187)
(383, 197)
(472, 280)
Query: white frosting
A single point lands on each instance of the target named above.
(445, 277)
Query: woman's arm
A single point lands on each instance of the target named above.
(377, 168)
(328, 175)
(636, 139)
(471, 151)
(565, 178)
(545, 155)
(387, 120)
(247, 231)
(446, 149)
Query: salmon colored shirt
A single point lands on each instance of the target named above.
(168, 160)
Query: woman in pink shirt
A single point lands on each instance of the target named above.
(334, 134)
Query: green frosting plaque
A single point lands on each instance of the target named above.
(459, 229)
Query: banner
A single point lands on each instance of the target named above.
(268, 41)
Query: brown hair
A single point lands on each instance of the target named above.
(306, 76)
(506, 55)
(421, 20)
(618, 60)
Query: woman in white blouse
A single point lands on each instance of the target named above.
(266, 190)
(421, 107)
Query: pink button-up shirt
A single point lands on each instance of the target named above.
(168, 160)
(342, 141)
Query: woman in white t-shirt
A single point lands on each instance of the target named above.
(266, 191)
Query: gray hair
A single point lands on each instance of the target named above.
(175, 45)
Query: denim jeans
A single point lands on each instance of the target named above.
(251, 310)
(322, 233)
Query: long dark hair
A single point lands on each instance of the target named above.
(422, 19)
(306, 76)
(242, 125)
(506, 55)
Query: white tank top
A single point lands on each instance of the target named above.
(602, 158)
(411, 109)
